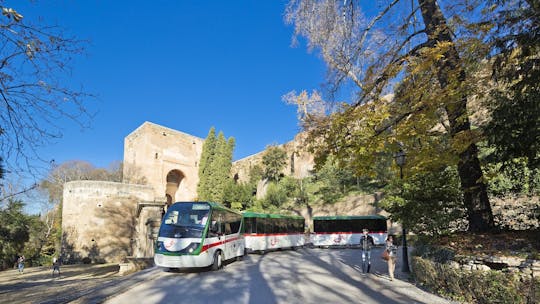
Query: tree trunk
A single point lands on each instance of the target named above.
(476, 200)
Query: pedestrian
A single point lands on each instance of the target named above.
(366, 242)
(20, 263)
(56, 266)
(392, 253)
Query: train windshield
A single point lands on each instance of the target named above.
(185, 220)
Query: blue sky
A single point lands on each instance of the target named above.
(186, 65)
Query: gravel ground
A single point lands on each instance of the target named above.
(37, 285)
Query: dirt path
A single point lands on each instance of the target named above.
(37, 285)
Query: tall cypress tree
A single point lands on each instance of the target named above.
(215, 166)
(219, 168)
(205, 168)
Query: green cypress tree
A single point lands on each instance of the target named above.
(215, 167)
(219, 169)
(205, 165)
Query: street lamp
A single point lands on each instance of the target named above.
(401, 158)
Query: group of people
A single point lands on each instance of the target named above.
(55, 267)
(366, 243)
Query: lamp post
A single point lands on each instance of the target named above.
(401, 158)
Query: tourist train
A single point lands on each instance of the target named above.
(205, 234)
(347, 230)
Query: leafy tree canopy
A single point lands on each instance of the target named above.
(274, 161)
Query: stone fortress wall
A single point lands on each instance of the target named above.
(299, 161)
(99, 221)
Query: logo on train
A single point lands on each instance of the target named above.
(273, 241)
(169, 244)
(338, 239)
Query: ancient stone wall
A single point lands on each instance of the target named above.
(299, 162)
(99, 220)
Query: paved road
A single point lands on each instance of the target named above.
(303, 276)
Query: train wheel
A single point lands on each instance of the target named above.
(218, 260)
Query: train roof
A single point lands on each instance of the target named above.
(350, 217)
(270, 215)
(213, 205)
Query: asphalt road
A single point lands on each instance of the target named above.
(303, 276)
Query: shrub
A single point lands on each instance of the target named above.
(481, 287)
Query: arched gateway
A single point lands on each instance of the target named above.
(107, 222)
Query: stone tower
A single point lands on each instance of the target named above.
(165, 159)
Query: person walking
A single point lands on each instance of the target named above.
(20, 263)
(392, 253)
(56, 266)
(366, 242)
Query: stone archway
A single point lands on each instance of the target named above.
(174, 179)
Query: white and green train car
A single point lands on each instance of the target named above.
(199, 234)
(343, 230)
(264, 232)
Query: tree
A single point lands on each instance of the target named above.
(256, 174)
(333, 182)
(34, 95)
(215, 167)
(221, 167)
(274, 160)
(421, 64)
(207, 157)
(513, 130)
(14, 232)
(275, 197)
(427, 203)
(75, 170)
(237, 196)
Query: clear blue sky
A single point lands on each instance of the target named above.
(186, 65)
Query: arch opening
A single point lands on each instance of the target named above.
(174, 180)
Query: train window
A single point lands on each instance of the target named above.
(260, 225)
(228, 228)
(249, 225)
(235, 223)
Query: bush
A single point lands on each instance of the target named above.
(473, 286)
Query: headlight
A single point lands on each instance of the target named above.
(191, 247)
(159, 246)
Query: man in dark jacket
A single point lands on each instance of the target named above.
(366, 242)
